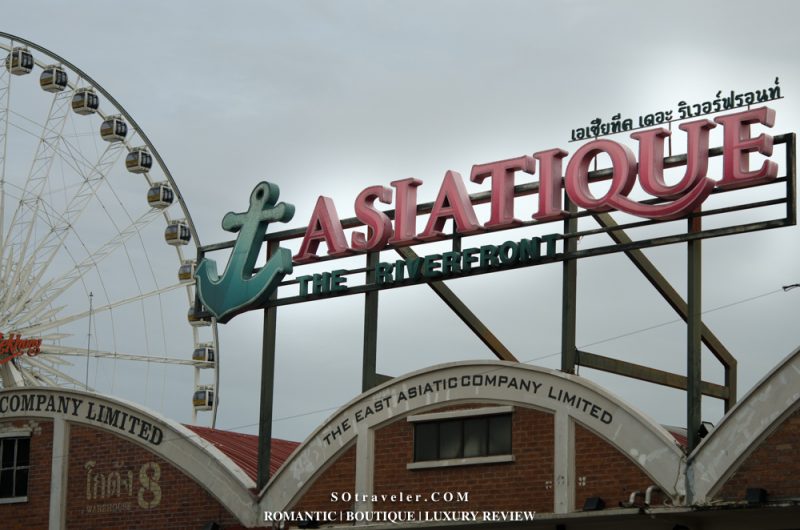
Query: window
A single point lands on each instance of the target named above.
(14, 467)
(466, 437)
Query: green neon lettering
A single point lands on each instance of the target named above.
(430, 264)
(451, 263)
(383, 273)
(489, 256)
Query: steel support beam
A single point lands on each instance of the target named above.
(569, 290)
(676, 301)
(693, 337)
(381, 378)
(645, 373)
(369, 377)
(267, 385)
(791, 179)
(465, 314)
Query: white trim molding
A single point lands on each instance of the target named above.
(472, 461)
(497, 384)
(463, 413)
(182, 448)
(743, 429)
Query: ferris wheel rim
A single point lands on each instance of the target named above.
(126, 115)
(120, 110)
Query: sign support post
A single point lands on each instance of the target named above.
(569, 298)
(694, 337)
(369, 377)
(267, 384)
(676, 301)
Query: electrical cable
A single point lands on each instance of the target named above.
(601, 341)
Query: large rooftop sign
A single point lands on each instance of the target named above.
(453, 202)
(562, 179)
(655, 195)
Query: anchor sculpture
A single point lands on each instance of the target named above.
(238, 289)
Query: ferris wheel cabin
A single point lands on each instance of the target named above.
(85, 101)
(203, 398)
(186, 270)
(160, 195)
(113, 129)
(53, 79)
(198, 318)
(139, 160)
(178, 233)
(19, 61)
(204, 353)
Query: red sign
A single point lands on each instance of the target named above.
(15, 345)
(453, 201)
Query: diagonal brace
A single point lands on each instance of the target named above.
(645, 373)
(677, 303)
(465, 314)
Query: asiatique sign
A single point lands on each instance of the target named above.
(239, 289)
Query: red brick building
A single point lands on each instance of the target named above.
(80, 460)
(463, 445)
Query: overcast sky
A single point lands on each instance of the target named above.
(326, 98)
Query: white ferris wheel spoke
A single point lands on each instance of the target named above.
(39, 172)
(40, 299)
(84, 168)
(12, 377)
(44, 326)
(55, 360)
(13, 315)
(35, 377)
(43, 367)
(98, 354)
(44, 316)
(24, 219)
(44, 252)
(54, 287)
(55, 244)
(32, 378)
(5, 95)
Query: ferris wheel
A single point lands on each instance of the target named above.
(97, 247)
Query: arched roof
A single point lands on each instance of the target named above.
(184, 449)
(630, 431)
(744, 427)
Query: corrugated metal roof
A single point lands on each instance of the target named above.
(679, 433)
(243, 448)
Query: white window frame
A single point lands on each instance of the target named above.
(17, 432)
(457, 414)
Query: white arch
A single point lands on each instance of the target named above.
(194, 456)
(628, 430)
(744, 427)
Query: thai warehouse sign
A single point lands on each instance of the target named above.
(558, 180)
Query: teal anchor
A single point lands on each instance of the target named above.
(239, 290)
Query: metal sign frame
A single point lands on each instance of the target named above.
(689, 310)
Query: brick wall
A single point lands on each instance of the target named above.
(774, 465)
(339, 477)
(524, 484)
(114, 484)
(35, 512)
(603, 471)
